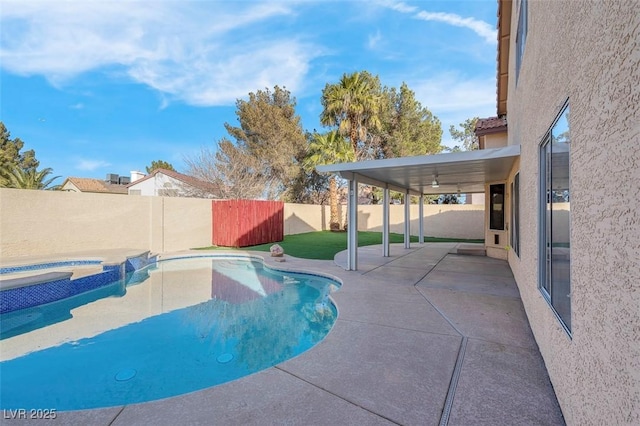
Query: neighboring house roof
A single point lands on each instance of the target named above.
(485, 126)
(95, 185)
(189, 180)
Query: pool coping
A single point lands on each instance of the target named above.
(461, 316)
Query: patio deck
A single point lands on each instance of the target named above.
(423, 337)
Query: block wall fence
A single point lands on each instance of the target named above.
(41, 223)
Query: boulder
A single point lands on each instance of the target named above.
(276, 250)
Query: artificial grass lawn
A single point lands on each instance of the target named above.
(324, 245)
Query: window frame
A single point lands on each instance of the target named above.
(515, 214)
(546, 282)
(491, 206)
(521, 35)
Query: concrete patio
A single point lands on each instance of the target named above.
(424, 337)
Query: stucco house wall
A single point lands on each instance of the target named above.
(589, 53)
(495, 140)
(155, 185)
(69, 187)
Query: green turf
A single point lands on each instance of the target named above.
(325, 244)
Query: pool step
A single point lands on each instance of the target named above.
(470, 250)
(21, 279)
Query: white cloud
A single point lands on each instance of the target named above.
(374, 39)
(454, 98)
(220, 77)
(483, 29)
(399, 6)
(79, 105)
(203, 53)
(450, 92)
(90, 165)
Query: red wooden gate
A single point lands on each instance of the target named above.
(242, 223)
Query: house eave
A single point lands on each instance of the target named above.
(504, 36)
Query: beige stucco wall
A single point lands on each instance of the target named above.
(187, 223)
(495, 140)
(34, 223)
(54, 222)
(452, 221)
(301, 218)
(588, 52)
(440, 220)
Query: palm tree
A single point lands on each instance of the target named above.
(329, 148)
(353, 105)
(31, 179)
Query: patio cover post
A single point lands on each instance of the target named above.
(421, 219)
(407, 219)
(385, 222)
(352, 225)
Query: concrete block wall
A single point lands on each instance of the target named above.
(53, 222)
(41, 223)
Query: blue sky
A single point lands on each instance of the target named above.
(97, 87)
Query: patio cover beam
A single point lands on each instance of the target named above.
(352, 226)
(407, 220)
(370, 181)
(385, 222)
(466, 171)
(421, 220)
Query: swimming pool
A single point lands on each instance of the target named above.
(193, 323)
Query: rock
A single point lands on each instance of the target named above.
(276, 250)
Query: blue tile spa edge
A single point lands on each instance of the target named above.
(38, 292)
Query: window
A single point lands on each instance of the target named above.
(555, 214)
(135, 192)
(521, 35)
(168, 192)
(496, 207)
(515, 214)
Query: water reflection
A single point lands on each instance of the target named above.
(251, 318)
(29, 319)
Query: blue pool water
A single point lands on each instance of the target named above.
(192, 324)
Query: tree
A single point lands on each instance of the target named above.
(271, 132)
(353, 105)
(407, 127)
(466, 135)
(309, 186)
(447, 199)
(31, 179)
(264, 160)
(231, 171)
(11, 157)
(160, 164)
(329, 148)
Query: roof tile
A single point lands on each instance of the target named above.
(490, 125)
(97, 185)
